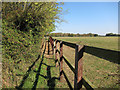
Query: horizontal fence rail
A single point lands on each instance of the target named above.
(79, 79)
(110, 55)
(67, 62)
(72, 45)
(70, 66)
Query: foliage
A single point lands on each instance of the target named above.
(24, 16)
(24, 24)
(111, 34)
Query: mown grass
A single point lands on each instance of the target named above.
(99, 72)
(101, 42)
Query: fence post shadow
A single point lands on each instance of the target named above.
(51, 80)
(38, 71)
(27, 74)
(109, 55)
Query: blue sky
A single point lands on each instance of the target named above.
(89, 17)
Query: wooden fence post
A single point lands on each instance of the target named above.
(56, 53)
(61, 61)
(54, 46)
(42, 45)
(48, 46)
(78, 67)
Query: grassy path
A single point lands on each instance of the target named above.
(42, 73)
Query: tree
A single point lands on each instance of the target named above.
(40, 16)
(109, 34)
(24, 24)
(95, 35)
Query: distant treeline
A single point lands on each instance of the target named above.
(112, 34)
(79, 35)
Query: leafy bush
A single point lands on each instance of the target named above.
(24, 25)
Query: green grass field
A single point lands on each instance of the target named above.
(101, 42)
(99, 72)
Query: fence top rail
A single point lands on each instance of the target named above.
(109, 55)
(72, 45)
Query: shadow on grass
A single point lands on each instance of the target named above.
(109, 55)
(29, 70)
(49, 58)
(51, 80)
(48, 65)
(27, 74)
(38, 71)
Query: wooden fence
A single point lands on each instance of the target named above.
(79, 79)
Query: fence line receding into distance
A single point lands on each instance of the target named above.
(79, 79)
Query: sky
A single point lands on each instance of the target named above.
(89, 17)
